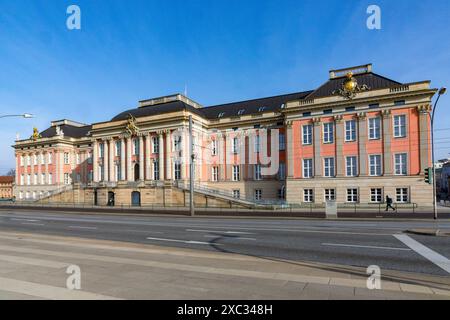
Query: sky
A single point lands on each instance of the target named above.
(220, 50)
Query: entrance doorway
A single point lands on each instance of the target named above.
(95, 198)
(111, 199)
(136, 199)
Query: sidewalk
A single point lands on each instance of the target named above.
(34, 267)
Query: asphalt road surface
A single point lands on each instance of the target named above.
(351, 243)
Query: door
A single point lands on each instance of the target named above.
(136, 199)
(111, 199)
(95, 198)
(136, 172)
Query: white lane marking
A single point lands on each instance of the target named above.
(27, 220)
(79, 227)
(228, 232)
(181, 241)
(234, 238)
(366, 247)
(34, 262)
(425, 252)
(33, 224)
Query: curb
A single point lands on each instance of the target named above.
(430, 232)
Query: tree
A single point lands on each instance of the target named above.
(11, 173)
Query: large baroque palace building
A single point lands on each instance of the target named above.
(355, 139)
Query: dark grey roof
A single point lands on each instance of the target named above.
(252, 106)
(68, 130)
(156, 109)
(374, 81)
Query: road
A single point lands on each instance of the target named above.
(347, 243)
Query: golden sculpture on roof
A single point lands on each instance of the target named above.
(131, 127)
(350, 87)
(36, 135)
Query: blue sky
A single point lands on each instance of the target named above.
(223, 50)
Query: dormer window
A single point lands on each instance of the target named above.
(221, 115)
(261, 109)
(241, 112)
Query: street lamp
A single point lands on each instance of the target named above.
(25, 115)
(442, 91)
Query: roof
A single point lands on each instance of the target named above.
(68, 130)
(6, 179)
(156, 109)
(372, 80)
(252, 106)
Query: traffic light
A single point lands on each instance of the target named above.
(429, 175)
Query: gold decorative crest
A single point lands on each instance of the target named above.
(350, 87)
(131, 127)
(36, 135)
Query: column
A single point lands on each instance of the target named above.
(17, 169)
(362, 139)
(141, 158)
(340, 136)
(122, 159)
(112, 165)
(424, 136)
(317, 143)
(105, 159)
(95, 160)
(39, 158)
(168, 156)
(32, 168)
(46, 155)
(148, 152)
(129, 164)
(387, 138)
(289, 150)
(161, 156)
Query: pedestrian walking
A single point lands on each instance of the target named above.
(389, 204)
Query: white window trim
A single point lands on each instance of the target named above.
(334, 167)
(357, 195)
(380, 128)
(312, 168)
(382, 194)
(395, 164)
(331, 125)
(345, 131)
(393, 126)
(381, 165)
(303, 135)
(356, 165)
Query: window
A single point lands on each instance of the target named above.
(402, 195)
(400, 162)
(400, 126)
(351, 166)
(156, 170)
(101, 150)
(352, 195)
(66, 178)
(236, 173)
(376, 195)
(50, 158)
(282, 140)
(328, 132)
(35, 159)
(374, 106)
(306, 114)
(22, 161)
(374, 128)
(257, 144)
(330, 194)
(101, 172)
(42, 160)
(282, 171)
(329, 167)
(307, 134)
(90, 176)
(28, 160)
(350, 130)
(307, 168)
(66, 158)
(350, 109)
(258, 194)
(177, 170)
(220, 115)
(78, 177)
(118, 172)
(308, 195)
(118, 147)
(22, 179)
(21, 195)
(27, 195)
(215, 174)
(28, 179)
(235, 145)
(399, 102)
(155, 143)
(50, 178)
(89, 160)
(257, 172)
(375, 165)
(282, 193)
(136, 146)
(214, 147)
(35, 178)
(241, 112)
(236, 194)
(328, 111)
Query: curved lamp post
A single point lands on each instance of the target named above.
(25, 115)
(440, 93)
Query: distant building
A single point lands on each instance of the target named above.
(6, 187)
